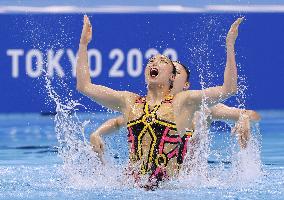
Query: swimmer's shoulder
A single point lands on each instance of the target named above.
(186, 97)
(130, 94)
(130, 97)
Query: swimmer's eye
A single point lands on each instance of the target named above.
(165, 61)
(151, 60)
(178, 72)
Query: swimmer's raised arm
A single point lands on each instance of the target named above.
(116, 100)
(214, 95)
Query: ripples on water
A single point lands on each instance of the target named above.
(31, 168)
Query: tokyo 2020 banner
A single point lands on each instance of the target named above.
(35, 46)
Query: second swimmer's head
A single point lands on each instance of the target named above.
(181, 82)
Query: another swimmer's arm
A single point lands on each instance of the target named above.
(105, 96)
(109, 126)
(223, 112)
(214, 95)
(240, 116)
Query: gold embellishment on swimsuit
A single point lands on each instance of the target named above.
(165, 124)
(178, 166)
(189, 132)
(134, 123)
(161, 159)
(139, 143)
(143, 170)
(153, 144)
(169, 97)
(148, 119)
(146, 122)
(133, 157)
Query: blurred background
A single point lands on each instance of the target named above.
(39, 41)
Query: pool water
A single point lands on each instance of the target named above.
(30, 167)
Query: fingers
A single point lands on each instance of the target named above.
(242, 131)
(97, 144)
(243, 141)
(87, 22)
(99, 151)
(234, 130)
(236, 24)
(102, 147)
(244, 137)
(86, 19)
(239, 20)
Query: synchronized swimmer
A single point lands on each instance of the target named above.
(162, 123)
(218, 112)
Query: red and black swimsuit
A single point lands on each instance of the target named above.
(158, 130)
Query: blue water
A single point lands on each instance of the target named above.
(30, 167)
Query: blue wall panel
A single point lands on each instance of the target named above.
(29, 42)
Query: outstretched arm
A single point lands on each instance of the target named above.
(223, 112)
(214, 95)
(240, 116)
(108, 127)
(105, 96)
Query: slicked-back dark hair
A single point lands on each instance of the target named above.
(185, 68)
(174, 67)
(174, 72)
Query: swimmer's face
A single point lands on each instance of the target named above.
(159, 70)
(180, 83)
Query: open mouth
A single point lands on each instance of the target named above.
(154, 72)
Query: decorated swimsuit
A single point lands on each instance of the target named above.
(162, 133)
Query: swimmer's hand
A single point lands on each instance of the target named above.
(98, 145)
(86, 35)
(233, 32)
(242, 130)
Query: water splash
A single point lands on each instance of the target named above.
(245, 164)
(81, 166)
